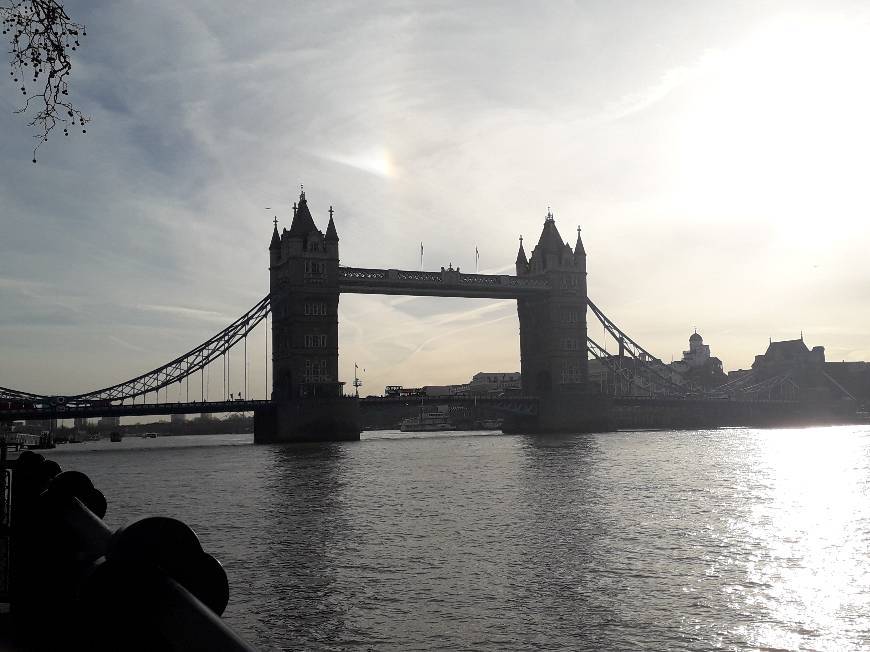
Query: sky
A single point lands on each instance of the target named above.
(714, 154)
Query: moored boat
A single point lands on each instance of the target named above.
(426, 422)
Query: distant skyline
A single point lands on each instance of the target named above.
(714, 154)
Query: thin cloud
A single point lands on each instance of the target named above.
(18, 284)
(455, 331)
(128, 345)
(183, 311)
(668, 82)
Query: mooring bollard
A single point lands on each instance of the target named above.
(76, 584)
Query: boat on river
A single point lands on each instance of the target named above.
(426, 422)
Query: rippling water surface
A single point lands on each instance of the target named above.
(726, 539)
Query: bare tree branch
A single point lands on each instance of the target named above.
(42, 37)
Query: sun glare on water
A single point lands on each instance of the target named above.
(812, 558)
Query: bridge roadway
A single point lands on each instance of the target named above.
(132, 410)
(679, 401)
(520, 405)
(446, 283)
(517, 405)
(526, 405)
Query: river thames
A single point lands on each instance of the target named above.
(732, 539)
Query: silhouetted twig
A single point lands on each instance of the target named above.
(42, 36)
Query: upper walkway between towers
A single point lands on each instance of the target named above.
(448, 282)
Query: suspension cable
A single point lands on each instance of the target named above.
(197, 359)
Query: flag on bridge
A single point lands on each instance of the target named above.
(421, 256)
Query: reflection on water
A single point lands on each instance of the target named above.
(816, 567)
(305, 526)
(729, 539)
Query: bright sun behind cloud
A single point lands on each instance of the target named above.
(777, 126)
(376, 161)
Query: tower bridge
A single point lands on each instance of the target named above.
(306, 282)
(308, 402)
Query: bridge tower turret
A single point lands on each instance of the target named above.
(275, 247)
(522, 263)
(553, 356)
(303, 281)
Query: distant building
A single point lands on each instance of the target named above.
(404, 392)
(80, 423)
(788, 354)
(178, 419)
(482, 384)
(42, 424)
(440, 390)
(804, 368)
(496, 381)
(698, 366)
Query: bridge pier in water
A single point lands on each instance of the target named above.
(308, 420)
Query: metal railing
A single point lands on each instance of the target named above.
(75, 584)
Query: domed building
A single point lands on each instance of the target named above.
(698, 366)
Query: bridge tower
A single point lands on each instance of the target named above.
(553, 357)
(308, 400)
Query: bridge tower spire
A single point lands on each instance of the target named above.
(522, 262)
(275, 246)
(579, 249)
(331, 233)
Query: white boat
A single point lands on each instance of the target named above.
(426, 422)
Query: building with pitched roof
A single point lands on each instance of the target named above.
(787, 354)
